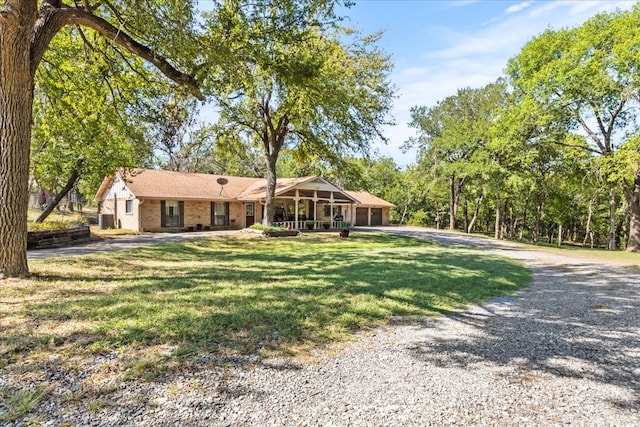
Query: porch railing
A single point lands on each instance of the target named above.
(312, 225)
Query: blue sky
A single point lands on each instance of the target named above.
(440, 46)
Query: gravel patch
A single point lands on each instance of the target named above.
(566, 351)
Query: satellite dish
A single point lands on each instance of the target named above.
(222, 181)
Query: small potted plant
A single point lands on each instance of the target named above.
(326, 225)
(310, 225)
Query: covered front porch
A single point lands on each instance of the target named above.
(310, 204)
(313, 225)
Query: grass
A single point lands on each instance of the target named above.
(596, 255)
(242, 294)
(62, 215)
(21, 402)
(167, 304)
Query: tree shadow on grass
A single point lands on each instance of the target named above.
(229, 305)
(579, 321)
(298, 295)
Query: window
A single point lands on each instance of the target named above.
(129, 206)
(337, 211)
(220, 213)
(172, 213)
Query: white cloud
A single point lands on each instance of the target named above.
(518, 7)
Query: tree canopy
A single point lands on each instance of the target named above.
(557, 152)
(586, 78)
(165, 34)
(293, 79)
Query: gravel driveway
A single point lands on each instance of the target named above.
(565, 351)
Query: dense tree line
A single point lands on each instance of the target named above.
(547, 153)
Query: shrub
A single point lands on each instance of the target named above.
(262, 227)
(419, 218)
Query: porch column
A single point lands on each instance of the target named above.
(331, 200)
(369, 217)
(315, 206)
(296, 200)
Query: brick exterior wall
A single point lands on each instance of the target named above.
(146, 215)
(236, 215)
(150, 215)
(195, 212)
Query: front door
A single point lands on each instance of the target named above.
(250, 214)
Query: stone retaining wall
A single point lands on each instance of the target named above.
(57, 238)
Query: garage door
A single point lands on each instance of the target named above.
(362, 216)
(376, 216)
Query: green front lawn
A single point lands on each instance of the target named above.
(240, 294)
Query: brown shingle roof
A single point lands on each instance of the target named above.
(369, 200)
(162, 184)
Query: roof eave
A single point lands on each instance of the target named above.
(104, 186)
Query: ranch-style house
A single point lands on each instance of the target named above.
(159, 200)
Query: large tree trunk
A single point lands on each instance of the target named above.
(51, 206)
(588, 234)
(17, 19)
(465, 215)
(273, 141)
(513, 222)
(524, 218)
(269, 203)
(632, 194)
(537, 225)
(404, 211)
(455, 191)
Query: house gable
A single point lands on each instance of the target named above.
(113, 188)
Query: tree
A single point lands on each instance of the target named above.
(25, 35)
(295, 81)
(627, 172)
(453, 134)
(586, 78)
(181, 142)
(80, 136)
